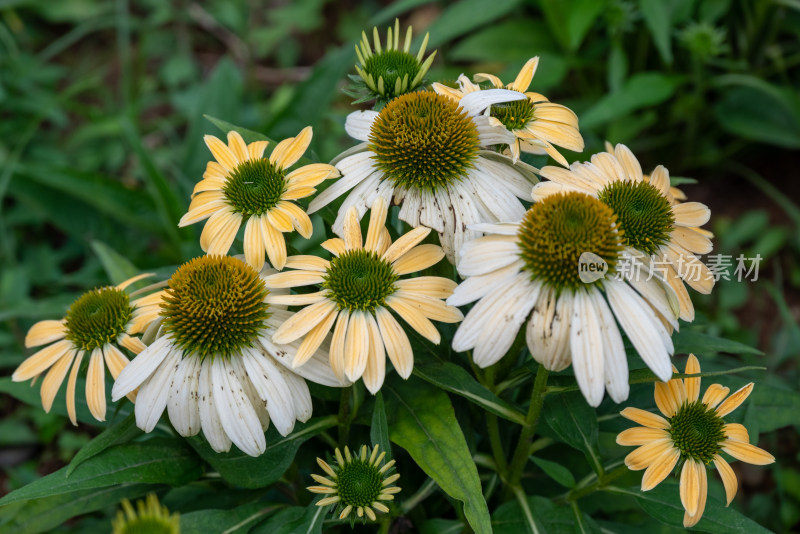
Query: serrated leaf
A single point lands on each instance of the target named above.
(423, 422)
(455, 379)
(155, 461)
(242, 470)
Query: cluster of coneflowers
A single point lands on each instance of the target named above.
(228, 343)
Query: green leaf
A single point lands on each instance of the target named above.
(423, 422)
(47, 513)
(760, 112)
(239, 520)
(249, 136)
(242, 470)
(295, 520)
(120, 432)
(461, 17)
(509, 518)
(455, 379)
(663, 503)
(570, 21)
(441, 526)
(155, 461)
(693, 341)
(510, 40)
(556, 471)
(656, 15)
(769, 408)
(117, 267)
(641, 90)
(379, 431)
(575, 423)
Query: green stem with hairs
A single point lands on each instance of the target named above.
(520, 457)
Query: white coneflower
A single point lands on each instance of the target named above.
(530, 124)
(214, 366)
(654, 226)
(532, 270)
(98, 322)
(692, 434)
(242, 187)
(359, 286)
(424, 151)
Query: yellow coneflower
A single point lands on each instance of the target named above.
(532, 124)
(98, 323)
(241, 186)
(359, 286)
(655, 227)
(692, 433)
(357, 483)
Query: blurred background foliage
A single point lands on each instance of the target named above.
(102, 109)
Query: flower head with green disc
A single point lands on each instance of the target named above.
(386, 72)
(655, 227)
(357, 484)
(424, 152)
(213, 365)
(149, 517)
(558, 269)
(243, 187)
(358, 287)
(692, 434)
(99, 323)
(530, 124)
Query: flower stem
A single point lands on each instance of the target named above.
(493, 427)
(521, 453)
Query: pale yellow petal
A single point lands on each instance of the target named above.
(253, 244)
(523, 80)
(73, 377)
(405, 243)
(714, 395)
(735, 400)
(41, 361)
(690, 520)
(352, 230)
(335, 246)
(280, 220)
(303, 321)
(293, 279)
(415, 319)
(256, 149)
(274, 243)
(221, 152)
(300, 219)
(665, 401)
(96, 385)
(398, 347)
(377, 220)
(645, 455)
(313, 340)
(736, 432)
(307, 263)
(356, 346)
(432, 286)
(690, 485)
(747, 453)
(728, 478)
(375, 371)
(418, 258)
(288, 151)
(238, 146)
(337, 354)
(311, 175)
(660, 469)
(53, 379)
(640, 435)
(644, 418)
(692, 384)
(44, 332)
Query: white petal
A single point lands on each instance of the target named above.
(182, 404)
(474, 103)
(237, 415)
(141, 367)
(358, 124)
(615, 363)
(152, 397)
(586, 345)
(209, 418)
(271, 386)
(354, 170)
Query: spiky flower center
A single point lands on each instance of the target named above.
(147, 525)
(643, 213)
(423, 140)
(359, 280)
(98, 317)
(149, 517)
(214, 306)
(358, 483)
(254, 187)
(697, 431)
(514, 115)
(391, 66)
(555, 233)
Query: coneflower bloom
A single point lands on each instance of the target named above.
(357, 483)
(557, 270)
(241, 186)
(424, 151)
(663, 232)
(358, 288)
(386, 72)
(149, 517)
(99, 322)
(213, 365)
(531, 124)
(691, 434)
